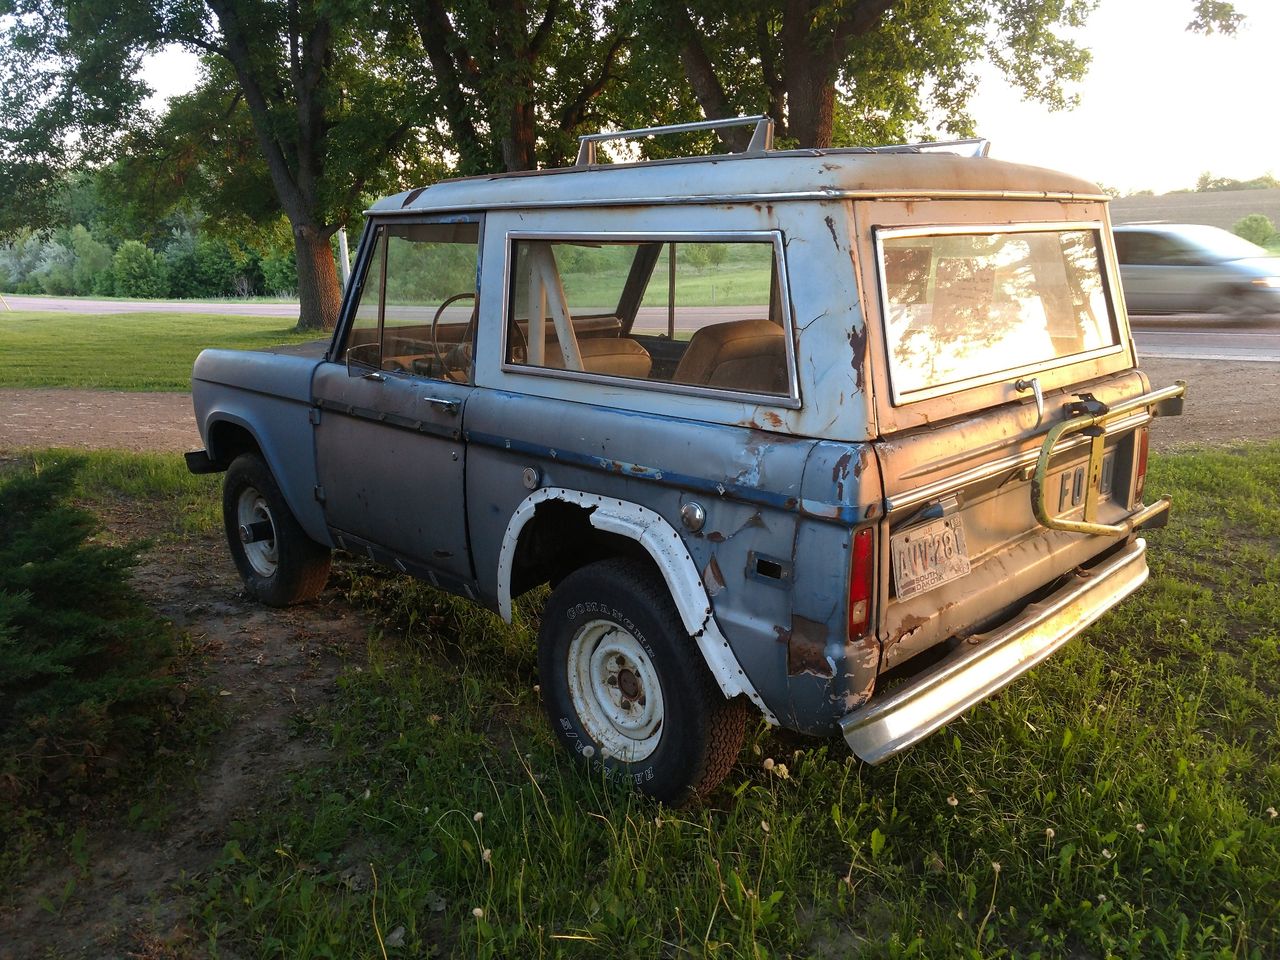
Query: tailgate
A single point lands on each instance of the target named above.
(962, 544)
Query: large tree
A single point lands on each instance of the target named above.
(827, 70)
(510, 73)
(318, 86)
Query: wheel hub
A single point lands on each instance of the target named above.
(253, 514)
(615, 690)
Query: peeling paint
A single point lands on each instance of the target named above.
(712, 578)
(831, 225)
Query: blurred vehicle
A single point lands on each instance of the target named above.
(1194, 268)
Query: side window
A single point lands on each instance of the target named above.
(689, 312)
(418, 303)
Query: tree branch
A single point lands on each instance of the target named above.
(571, 116)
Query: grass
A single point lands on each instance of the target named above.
(134, 351)
(1119, 801)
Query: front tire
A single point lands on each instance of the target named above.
(280, 565)
(625, 686)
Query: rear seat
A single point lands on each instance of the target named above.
(739, 355)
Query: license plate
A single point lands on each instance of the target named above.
(928, 556)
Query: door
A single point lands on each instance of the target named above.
(390, 454)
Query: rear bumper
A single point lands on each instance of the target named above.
(987, 662)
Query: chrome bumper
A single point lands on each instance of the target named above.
(987, 662)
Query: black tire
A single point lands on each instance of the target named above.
(286, 568)
(622, 605)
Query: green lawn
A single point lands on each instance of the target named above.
(124, 351)
(1119, 801)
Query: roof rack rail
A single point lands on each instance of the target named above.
(971, 147)
(761, 139)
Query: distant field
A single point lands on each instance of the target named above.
(135, 351)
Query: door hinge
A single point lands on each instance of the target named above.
(319, 491)
(315, 416)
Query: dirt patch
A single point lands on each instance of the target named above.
(267, 667)
(1226, 401)
(97, 420)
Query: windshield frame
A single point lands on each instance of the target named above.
(901, 398)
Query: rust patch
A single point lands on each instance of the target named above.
(858, 341)
(772, 419)
(840, 472)
(715, 536)
(909, 626)
(831, 225)
(807, 648)
(712, 578)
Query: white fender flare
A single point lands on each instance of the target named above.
(663, 543)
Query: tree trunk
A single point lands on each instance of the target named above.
(520, 146)
(810, 65)
(319, 294)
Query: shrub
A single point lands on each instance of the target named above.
(1255, 228)
(93, 258)
(81, 658)
(138, 271)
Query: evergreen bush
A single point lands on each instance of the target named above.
(138, 271)
(82, 660)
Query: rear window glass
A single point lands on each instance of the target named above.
(963, 307)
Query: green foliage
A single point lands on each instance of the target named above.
(1209, 183)
(1255, 228)
(81, 659)
(138, 272)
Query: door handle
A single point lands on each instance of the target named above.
(444, 405)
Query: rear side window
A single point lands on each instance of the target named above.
(964, 308)
(680, 314)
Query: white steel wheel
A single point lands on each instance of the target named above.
(275, 558)
(615, 691)
(252, 508)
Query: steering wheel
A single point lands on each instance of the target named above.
(435, 324)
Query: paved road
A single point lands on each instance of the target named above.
(1196, 337)
(237, 308)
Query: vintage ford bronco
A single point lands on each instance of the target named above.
(856, 436)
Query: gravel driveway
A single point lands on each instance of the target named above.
(1225, 401)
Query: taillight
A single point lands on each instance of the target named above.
(861, 581)
(1140, 466)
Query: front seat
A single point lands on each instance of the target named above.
(746, 355)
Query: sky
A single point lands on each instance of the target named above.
(1159, 106)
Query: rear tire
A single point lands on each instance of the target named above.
(286, 566)
(626, 688)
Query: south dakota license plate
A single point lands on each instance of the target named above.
(928, 556)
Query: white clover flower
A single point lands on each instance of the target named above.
(478, 816)
(768, 763)
(764, 825)
(952, 801)
(1271, 812)
(995, 865)
(1049, 833)
(487, 855)
(1106, 854)
(1140, 827)
(477, 912)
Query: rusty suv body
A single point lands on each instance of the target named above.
(808, 394)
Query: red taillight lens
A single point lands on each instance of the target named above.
(1140, 468)
(861, 581)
